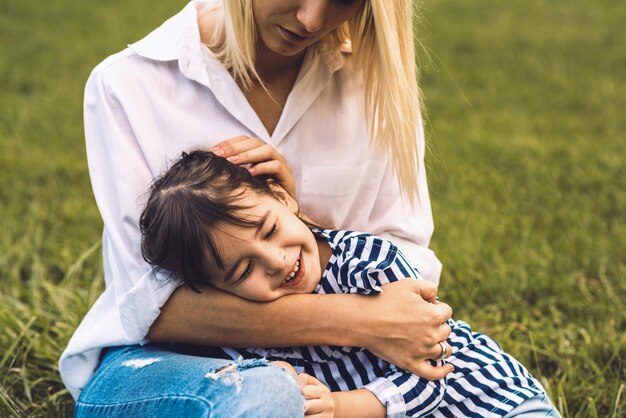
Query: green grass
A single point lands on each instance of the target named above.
(528, 183)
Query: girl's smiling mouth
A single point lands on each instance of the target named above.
(296, 274)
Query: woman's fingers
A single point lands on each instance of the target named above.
(279, 171)
(247, 150)
(441, 349)
(258, 154)
(441, 311)
(428, 371)
(235, 145)
(443, 332)
(237, 150)
(426, 290)
(264, 159)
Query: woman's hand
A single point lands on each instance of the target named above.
(319, 400)
(264, 159)
(404, 325)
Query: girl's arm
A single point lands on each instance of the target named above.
(321, 402)
(360, 403)
(400, 325)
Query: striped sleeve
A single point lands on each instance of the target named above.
(405, 394)
(368, 262)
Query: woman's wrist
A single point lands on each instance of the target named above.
(341, 320)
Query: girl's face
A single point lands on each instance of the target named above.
(277, 258)
(288, 27)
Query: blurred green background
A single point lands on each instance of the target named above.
(525, 118)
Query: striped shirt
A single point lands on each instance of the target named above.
(486, 382)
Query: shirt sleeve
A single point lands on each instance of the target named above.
(367, 262)
(405, 394)
(120, 177)
(409, 227)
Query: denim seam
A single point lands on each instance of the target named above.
(191, 397)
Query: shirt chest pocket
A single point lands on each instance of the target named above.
(335, 196)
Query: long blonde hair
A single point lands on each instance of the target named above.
(381, 33)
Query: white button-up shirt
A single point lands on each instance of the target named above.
(166, 94)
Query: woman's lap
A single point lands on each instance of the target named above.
(155, 380)
(181, 381)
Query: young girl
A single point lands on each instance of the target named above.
(208, 221)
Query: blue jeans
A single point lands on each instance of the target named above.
(160, 380)
(181, 381)
(536, 407)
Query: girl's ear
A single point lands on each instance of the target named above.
(283, 197)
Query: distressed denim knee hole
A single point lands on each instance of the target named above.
(230, 375)
(256, 386)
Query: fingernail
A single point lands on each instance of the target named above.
(217, 151)
(251, 170)
(233, 159)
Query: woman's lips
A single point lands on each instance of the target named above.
(291, 36)
(299, 275)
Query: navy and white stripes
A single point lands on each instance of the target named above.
(486, 381)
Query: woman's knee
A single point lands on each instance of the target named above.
(258, 389)
(136, 380)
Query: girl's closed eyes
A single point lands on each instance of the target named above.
(249, 240)
(250, 264)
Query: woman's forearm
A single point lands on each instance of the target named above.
(402, 325)
(220, 319)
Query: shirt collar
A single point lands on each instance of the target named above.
(172, 38)
(178, 38)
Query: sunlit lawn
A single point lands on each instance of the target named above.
(526, 125)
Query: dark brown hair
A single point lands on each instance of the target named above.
(185, 203)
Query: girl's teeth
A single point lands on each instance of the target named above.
(293, 273)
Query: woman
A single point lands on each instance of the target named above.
(283, 72)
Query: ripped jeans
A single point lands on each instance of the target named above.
(162, 380)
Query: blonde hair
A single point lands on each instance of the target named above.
(381, 33)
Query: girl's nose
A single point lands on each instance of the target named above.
(274, 259)
(312, 14)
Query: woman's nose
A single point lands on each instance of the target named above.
(312, 14)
